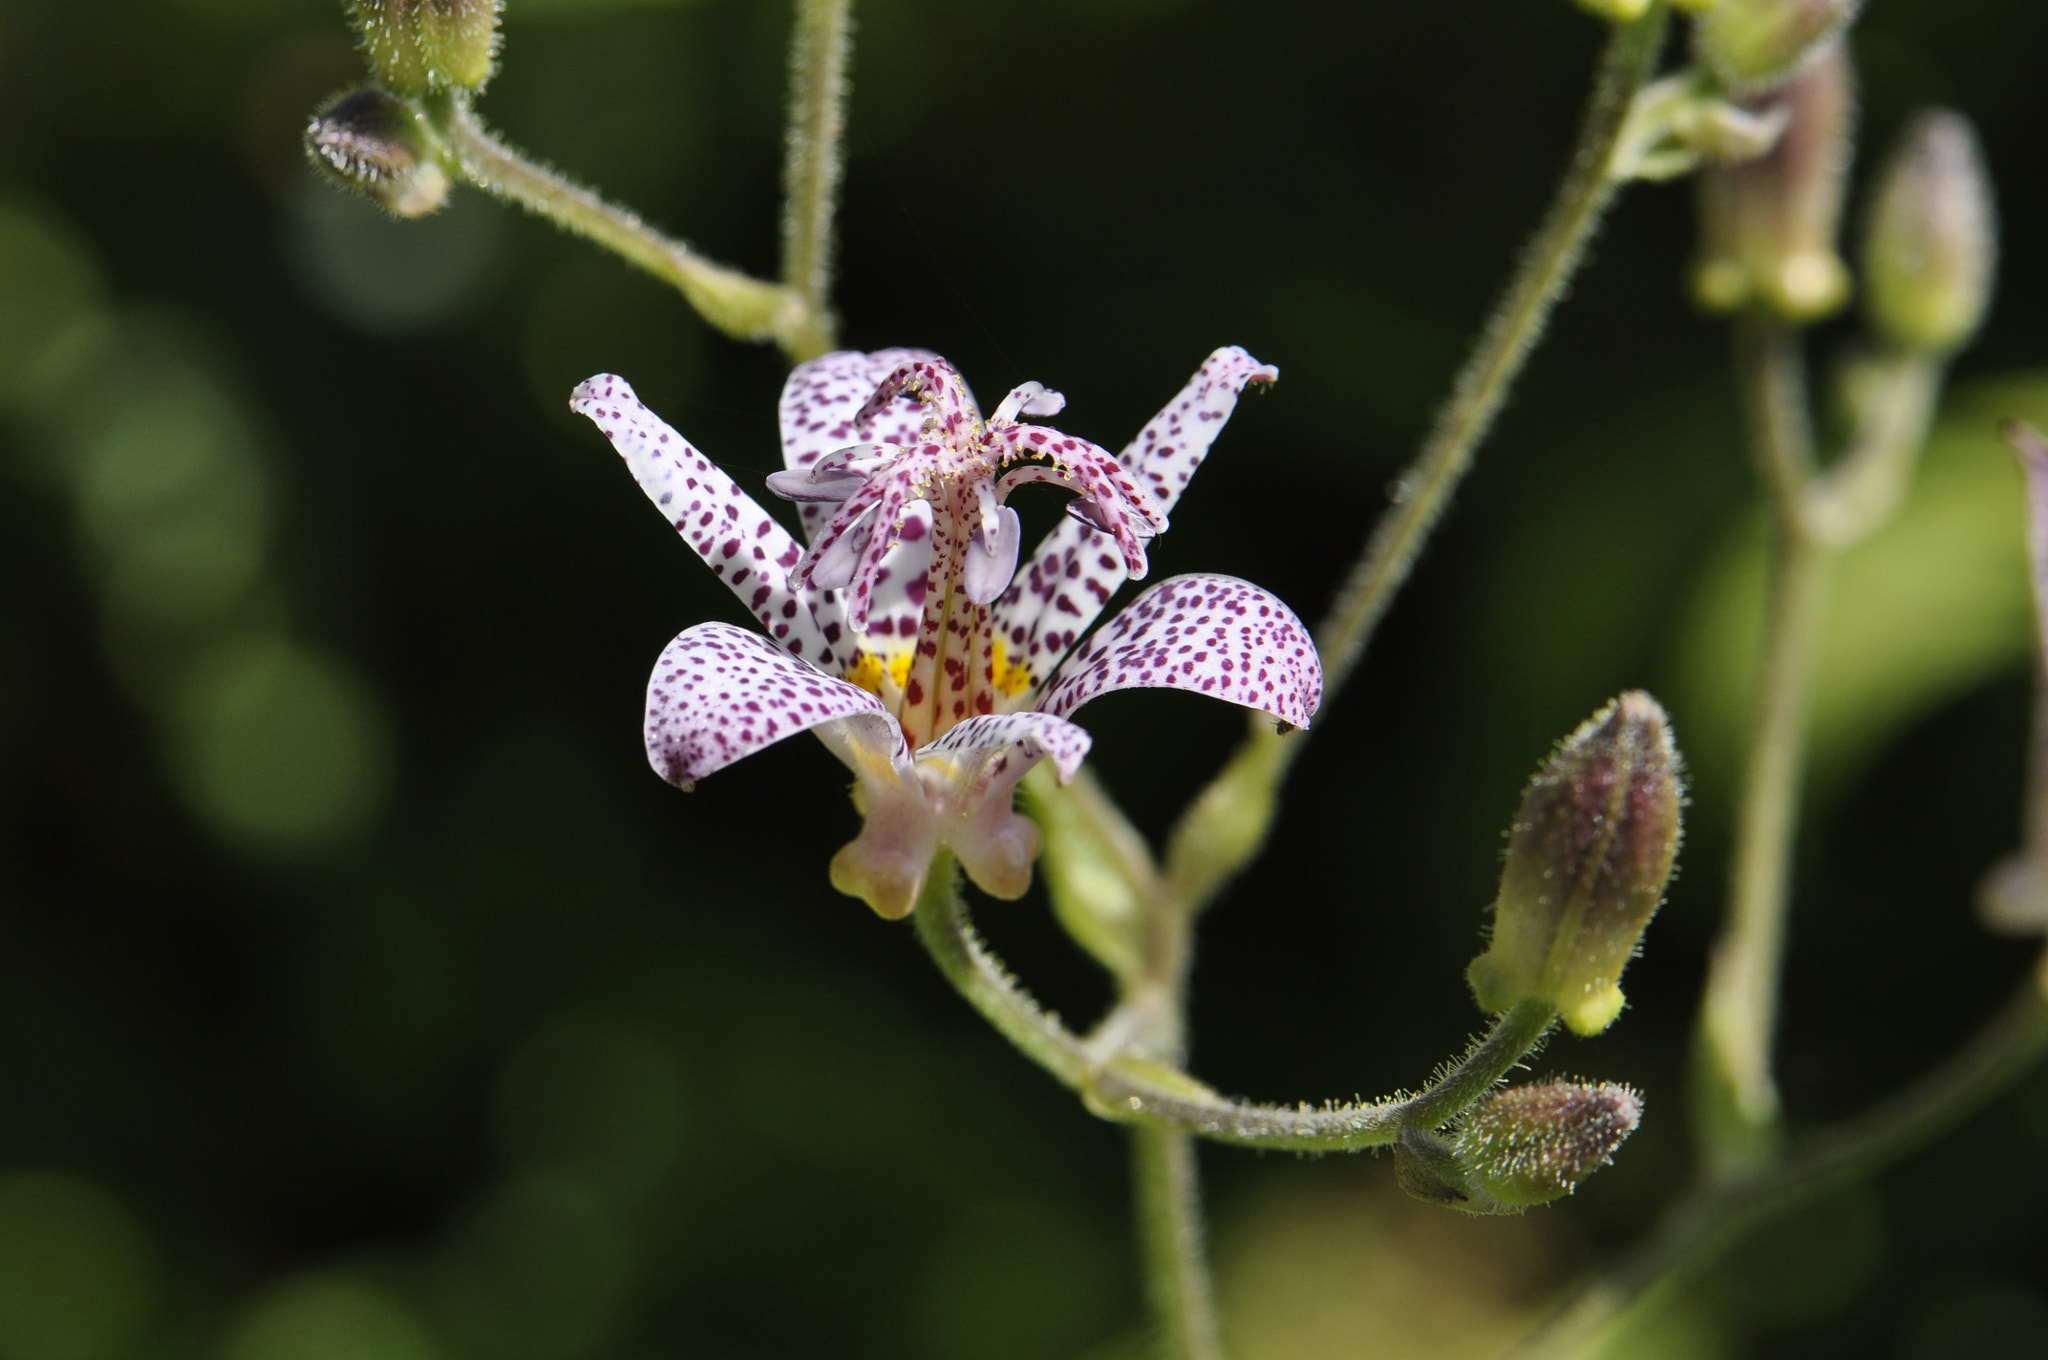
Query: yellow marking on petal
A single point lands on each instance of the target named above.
(872, 673)
(1008, 679)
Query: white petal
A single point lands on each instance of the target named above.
(719, 693)
(1214, 635)
(971, 773)
(1066, 582)
(739, 540)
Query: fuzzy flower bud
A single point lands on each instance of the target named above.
(1932, 241)
(420, 45)
(1768, 226)
(1533, 1144)
(1754, 46)
(373, 141)
(1590, 851)
(1622, 11)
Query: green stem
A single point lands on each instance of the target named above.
(1699, 1229)
(1143, 1091)
(1547, 265)
(1738, 1098)
(1169, 1203)
(819, 49)
(949, 937)
(743, 307)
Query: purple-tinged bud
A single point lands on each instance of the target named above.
(1589, 854)
(1768, 226)
(1754, 46)
(1532, 1144)
(1932, 239)
(375, 142)
(421, 45)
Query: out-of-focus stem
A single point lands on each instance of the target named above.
(1171, 1240)
(743, 307)
(819, 49)
(1738, 1097)
(1547, 265)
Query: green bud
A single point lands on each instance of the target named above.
(1932, 239)
(1768, 225)
(421, 45)
(1533, 1144)
(375, 142)
(1589, 853)
(1754, 46)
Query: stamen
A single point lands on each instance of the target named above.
(991, 560)
(835, 565)
(1029, 399)
(1088, 510)
(807, 487)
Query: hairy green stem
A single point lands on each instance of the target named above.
(741, 306)
(818, 53)
(1482, 386)
(1169, 1204)
(1547, 265)
(1144, 1091)
(1696, 1232)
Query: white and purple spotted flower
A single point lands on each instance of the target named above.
(906, 637)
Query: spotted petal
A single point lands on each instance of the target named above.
(739, 540)
(819, 403)
(1214, 635)
(719, 693)
(1037, 736)
(972, 773)
(1068, 580)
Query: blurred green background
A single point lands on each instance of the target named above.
(364, 997)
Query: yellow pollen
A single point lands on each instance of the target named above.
(870, 671)
(1008, 679)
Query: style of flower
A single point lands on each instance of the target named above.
(906, 637)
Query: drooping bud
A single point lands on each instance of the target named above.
(1589, 854)
(1532, 1144)
(374, 141)
(1754, 46)
(1768, 226)
(1932, 240)
(420, 45)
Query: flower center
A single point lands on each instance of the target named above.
(962, 472)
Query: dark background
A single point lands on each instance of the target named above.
(363, 995)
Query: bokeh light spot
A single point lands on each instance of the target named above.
(593, 1099)
(281, 746)
(75, 1278)
(328, 1317)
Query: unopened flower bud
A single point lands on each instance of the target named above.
(1768, 225)
(1532, 1144)
(420, 45)
(1932, 240)
(1754, 46)
(1590, 851)
(374, 141)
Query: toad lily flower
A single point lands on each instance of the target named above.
(906, 637)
